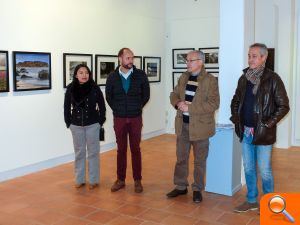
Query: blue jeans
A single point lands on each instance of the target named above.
(262, 155)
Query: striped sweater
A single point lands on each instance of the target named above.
(190, 91)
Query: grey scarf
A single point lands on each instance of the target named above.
(254, 75)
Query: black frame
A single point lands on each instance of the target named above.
(176, 74)
(208, 64)
(102, 81)
(270, 62)
(6, 70)
(213, 71)
(140, 60)
(65, 65)
(175, 52)
(154, 60)
(15, 54)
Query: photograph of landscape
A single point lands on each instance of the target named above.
(32, 71)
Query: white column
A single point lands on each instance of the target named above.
(283, 61)
(296, 78)
(236, 34)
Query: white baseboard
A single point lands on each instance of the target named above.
(236, 189)
(296, 142)
(171, 131)
(21, 171)
(153, 134)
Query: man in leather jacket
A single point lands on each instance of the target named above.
(259, 103)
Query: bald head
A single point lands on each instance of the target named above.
(126, 59)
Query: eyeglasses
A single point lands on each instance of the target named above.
(191, 60)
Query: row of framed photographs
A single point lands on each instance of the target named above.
(177, 74)
(105, 64)
(211, 57)
(32, 70)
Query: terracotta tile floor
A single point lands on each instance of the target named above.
(48, 197)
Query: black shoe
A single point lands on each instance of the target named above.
(176, 192)
(197, 196)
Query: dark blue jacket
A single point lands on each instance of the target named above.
(130, 104)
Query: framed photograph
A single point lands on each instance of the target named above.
(176, 76)
(214, 72)
(179, 57)
(152, 68)
(71, 60)
(4, 73)
(105, 64)
(211, 57)
(32, 71)
(270, 63)
(137, 61)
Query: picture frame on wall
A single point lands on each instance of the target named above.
(211, 57)
(105, 64)
(31, 71)
(70, 61)
(152, 68)
(214, 72)
(4, 72)
(270, 63)
(179, 57)
(137, 61)
(176, 75)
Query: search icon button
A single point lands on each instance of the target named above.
(277, 205)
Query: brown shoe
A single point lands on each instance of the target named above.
(92, 186)
(117, 185)
(246, 206)
(138, 187)
(79, 185)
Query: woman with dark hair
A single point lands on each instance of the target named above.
(84, 113)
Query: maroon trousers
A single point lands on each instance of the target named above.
(131, 127)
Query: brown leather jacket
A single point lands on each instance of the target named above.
(271, 105)
(202, 109)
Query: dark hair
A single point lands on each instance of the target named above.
(80, 66)
(121, 52)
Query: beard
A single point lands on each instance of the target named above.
(128, 66)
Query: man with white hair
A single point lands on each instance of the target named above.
(196, 98)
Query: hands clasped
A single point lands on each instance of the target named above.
(183, 106)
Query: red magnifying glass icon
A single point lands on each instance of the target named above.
(277, 205)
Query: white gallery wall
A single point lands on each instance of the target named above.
(189, 24)
(198, 26)
(32, 129)
(296, 77)
(276, 30)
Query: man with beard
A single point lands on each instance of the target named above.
(127, 91)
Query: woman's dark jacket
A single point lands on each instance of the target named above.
(130, 104)
(83, 108)
(270, 106)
